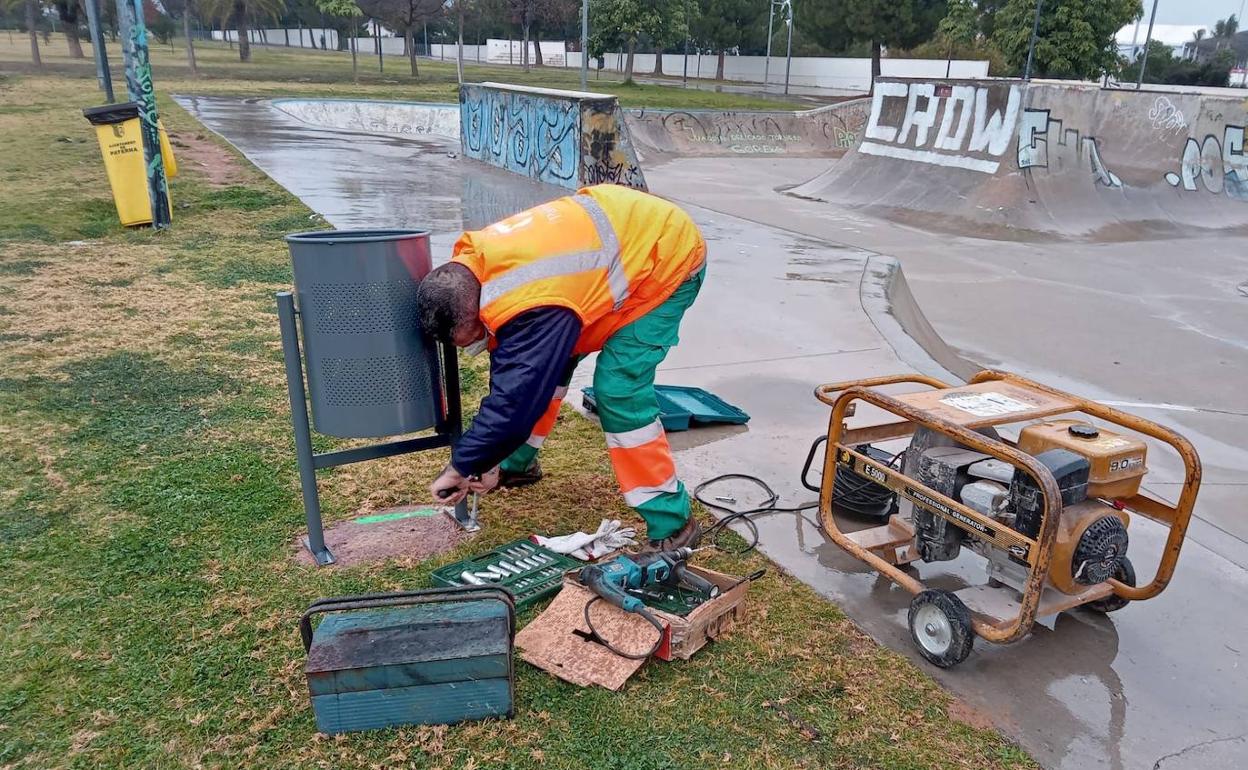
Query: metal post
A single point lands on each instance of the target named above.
(584, 45)
(139, 88)
(771, 11)
(1147, 37)
(455, 424)
(102, 74)
(303, 436)
(685, 76)
(1031, 47)
(788, 64)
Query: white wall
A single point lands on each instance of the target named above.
(278, 36)
(822, 72)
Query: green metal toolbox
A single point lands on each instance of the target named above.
(438, 656)
(681, 407)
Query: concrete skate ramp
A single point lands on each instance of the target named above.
(375, 117)
(565, 138)
(827, 132)
(1006, 159)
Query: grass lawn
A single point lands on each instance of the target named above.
(149, 505)
(275, 70)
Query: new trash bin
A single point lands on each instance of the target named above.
(120, 134)
(351, 325)
(371, 372)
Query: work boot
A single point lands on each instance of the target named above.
(687, 536)
(515, 479)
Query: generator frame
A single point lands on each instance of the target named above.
(887, 547)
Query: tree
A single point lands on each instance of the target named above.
(551, 14)
(32, 16)
(405, 15)
(1076, 37)
(523, 13)
(902, 23)
(624, 22)
(1163, 67)
(344, 9)
(961, 23)
(238, 14)
(70, 13)
(724, 25)
(959, 35)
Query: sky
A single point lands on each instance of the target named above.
(1201, 13)
(1178, 19)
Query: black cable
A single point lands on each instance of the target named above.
(849, 495)
(744, 516)
(631, 656)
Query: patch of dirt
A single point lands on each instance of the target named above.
(411, 539)
(219, 166)
(960, 711)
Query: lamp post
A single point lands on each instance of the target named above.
(1144, 60)
(771, 11)
(788, 63)
(1031, 47)
(584, 45)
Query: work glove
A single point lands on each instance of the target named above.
(611, 536)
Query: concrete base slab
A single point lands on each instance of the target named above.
(409, 532)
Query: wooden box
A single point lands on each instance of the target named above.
(559, 642)
(435, 657)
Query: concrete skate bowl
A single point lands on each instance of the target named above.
(825, 132)
(1006, 159)
(412, 119)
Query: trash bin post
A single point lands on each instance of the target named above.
(315, 540)
(455, 423)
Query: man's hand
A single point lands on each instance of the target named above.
(450, 487)
(484, 483)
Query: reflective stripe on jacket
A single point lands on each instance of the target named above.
(610, 254)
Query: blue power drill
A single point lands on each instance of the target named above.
(612, 580)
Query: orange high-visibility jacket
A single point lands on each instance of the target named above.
(610, 254)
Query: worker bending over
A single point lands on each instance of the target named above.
(609, 270)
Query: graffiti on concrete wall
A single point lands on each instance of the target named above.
(556, 137)
(737, 133)
(527, 134)
(607, 156)
(827, 131)
(1165, 116)
(1044, 142)
(957, 126)
(1215, 165)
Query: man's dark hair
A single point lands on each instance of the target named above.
(446, 298)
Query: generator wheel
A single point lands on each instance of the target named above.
(1124, 573)
(940, 625)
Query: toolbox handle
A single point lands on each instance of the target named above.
(405, 599)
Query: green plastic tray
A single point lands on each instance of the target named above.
(681, 406)
(530, 585)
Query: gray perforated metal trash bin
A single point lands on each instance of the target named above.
(370, 370)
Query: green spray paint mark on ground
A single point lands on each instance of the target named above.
(418, 513)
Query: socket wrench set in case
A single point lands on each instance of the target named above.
(528, 570)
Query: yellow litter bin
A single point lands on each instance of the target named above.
(119, 131)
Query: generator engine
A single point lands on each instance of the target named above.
(1093, 467)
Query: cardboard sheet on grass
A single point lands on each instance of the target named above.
(558, 640)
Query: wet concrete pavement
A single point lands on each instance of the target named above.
(1159, 684)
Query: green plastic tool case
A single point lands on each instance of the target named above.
(530, 585)
(681, 406)
(438, 656)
